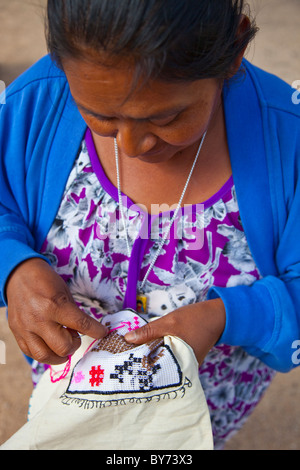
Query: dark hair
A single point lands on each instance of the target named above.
(169, 39)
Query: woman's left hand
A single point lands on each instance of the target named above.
(200, 325)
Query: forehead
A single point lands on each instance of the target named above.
(112, 89)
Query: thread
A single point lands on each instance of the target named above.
(63, 373)
(67, 368)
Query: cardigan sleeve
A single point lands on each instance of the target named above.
(264, 318)
(17, 242)
(269, 324)
(30, 122)
(40, 133)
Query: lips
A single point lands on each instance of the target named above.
(153, 153)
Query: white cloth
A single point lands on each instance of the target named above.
(118, 396)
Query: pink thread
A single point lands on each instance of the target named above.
(130, 327)
(66, 370)
(90, 346)
(63, 373)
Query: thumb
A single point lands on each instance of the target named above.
(153, 330)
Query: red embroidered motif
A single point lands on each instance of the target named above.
(97, 376)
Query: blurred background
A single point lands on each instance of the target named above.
(275, 424)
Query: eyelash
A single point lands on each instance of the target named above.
(167, 123)
(102, 119)
(108, 120)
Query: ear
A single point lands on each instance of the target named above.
(243, 28)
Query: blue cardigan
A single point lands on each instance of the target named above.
(40, 134)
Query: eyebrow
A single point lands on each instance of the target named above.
(160, 115)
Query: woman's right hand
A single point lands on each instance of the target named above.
(43, 316)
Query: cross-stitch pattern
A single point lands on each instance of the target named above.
(113, 366)
(113, 343)
(97, 376)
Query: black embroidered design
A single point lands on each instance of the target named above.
(134, 367)
(89, 404)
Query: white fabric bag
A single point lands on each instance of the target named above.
(117, 396)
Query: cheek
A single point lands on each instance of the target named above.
(184, 133)
(190, 127)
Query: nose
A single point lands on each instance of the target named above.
(134, 138)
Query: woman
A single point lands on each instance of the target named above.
(153, 100)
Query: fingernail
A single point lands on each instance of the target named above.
(106, 330)
(131, 336)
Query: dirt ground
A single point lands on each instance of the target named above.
(275, 424)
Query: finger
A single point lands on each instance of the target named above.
(74, 318)
(153, 330)
(23, 345)
(62, 341)
(74, 333)
(35, 347)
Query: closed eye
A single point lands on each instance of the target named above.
(91, 113)
(99, 117)
(164, 121)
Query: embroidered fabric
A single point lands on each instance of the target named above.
(113, 366)
(119, 396)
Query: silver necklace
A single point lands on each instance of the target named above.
(141, 297)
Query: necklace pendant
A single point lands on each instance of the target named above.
(141, 303)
